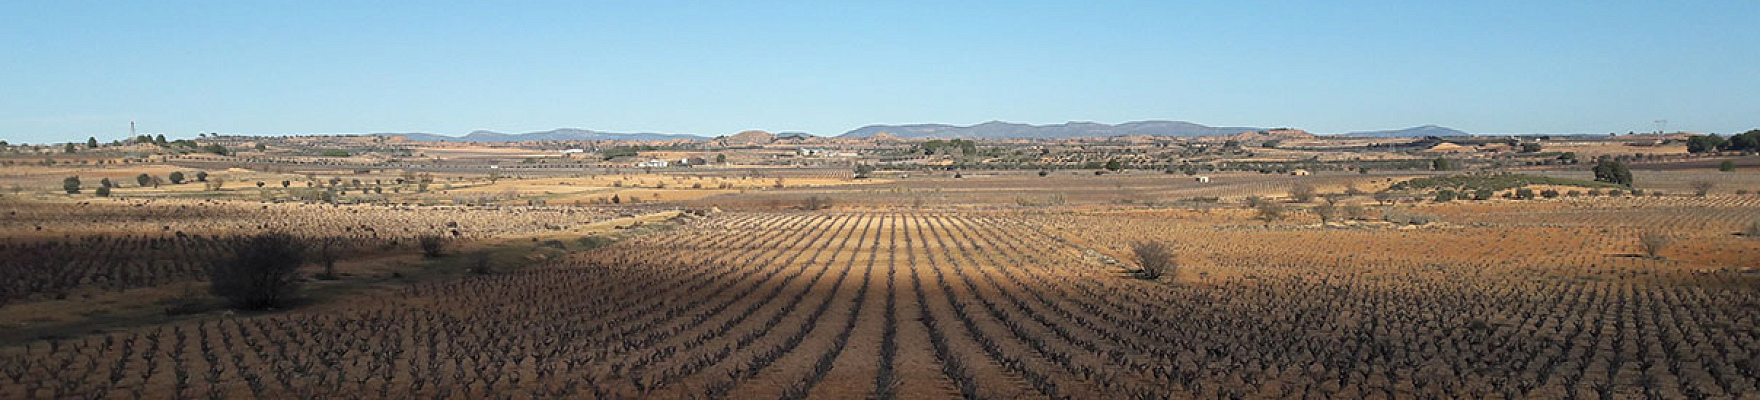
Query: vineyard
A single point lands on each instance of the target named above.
(53, 250)
(976, 305)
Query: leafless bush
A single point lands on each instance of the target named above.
(1269, 211)
(1702, 188)
(326, 254)
(1302, 193)
(1154, 259)
(815, 203)
(261, 272)
(432, 246)
(1653, 243)
(1327, 212)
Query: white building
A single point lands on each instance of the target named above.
(654, 163)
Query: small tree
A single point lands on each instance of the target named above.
(261, 273)
(1701, 188)
(69, 149)
(1549, 193)
(1385, 197)
(863, 171)
(1154, 259)
(71, 184)
(1269, 211)
(103, 191)
(1327, 212)
(201, 176)
(1444, 196)
(92, 142)
(812, 203)
(1302, 193)
(106, 183)
(1483, 194)
(1653, 244)
(1613, 172)
(328, 251)
(1726, 166)
(176, 177)
(143, 179)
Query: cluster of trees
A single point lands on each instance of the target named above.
(934, 147)
(1745, 141)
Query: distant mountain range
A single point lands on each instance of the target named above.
(553, 134)
(1009, 130)
(987, 130)
(1416, 131)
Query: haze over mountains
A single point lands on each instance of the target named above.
(987, 130)
(1416, 131)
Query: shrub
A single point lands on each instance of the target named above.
(1594, 192)
(1356, 212)
(481, 264)
(1549, 193)
(433, 246)
(176, 177)
(1483, 194)
(1524, 194)
(103, 191)
(1408, 218)
(71, 185)
(1701, 188)
(812, 203)
(327, 253)
(1302, 193)
(1154, 259)
(1444, 196)
(1269, 211)
(1726, 166)
(260, 274)
(1653, 244)
(1327, 212)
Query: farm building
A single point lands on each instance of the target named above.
(1202, 179)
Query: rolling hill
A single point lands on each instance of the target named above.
(1009, 130)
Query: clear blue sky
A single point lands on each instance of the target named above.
(72, 69)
